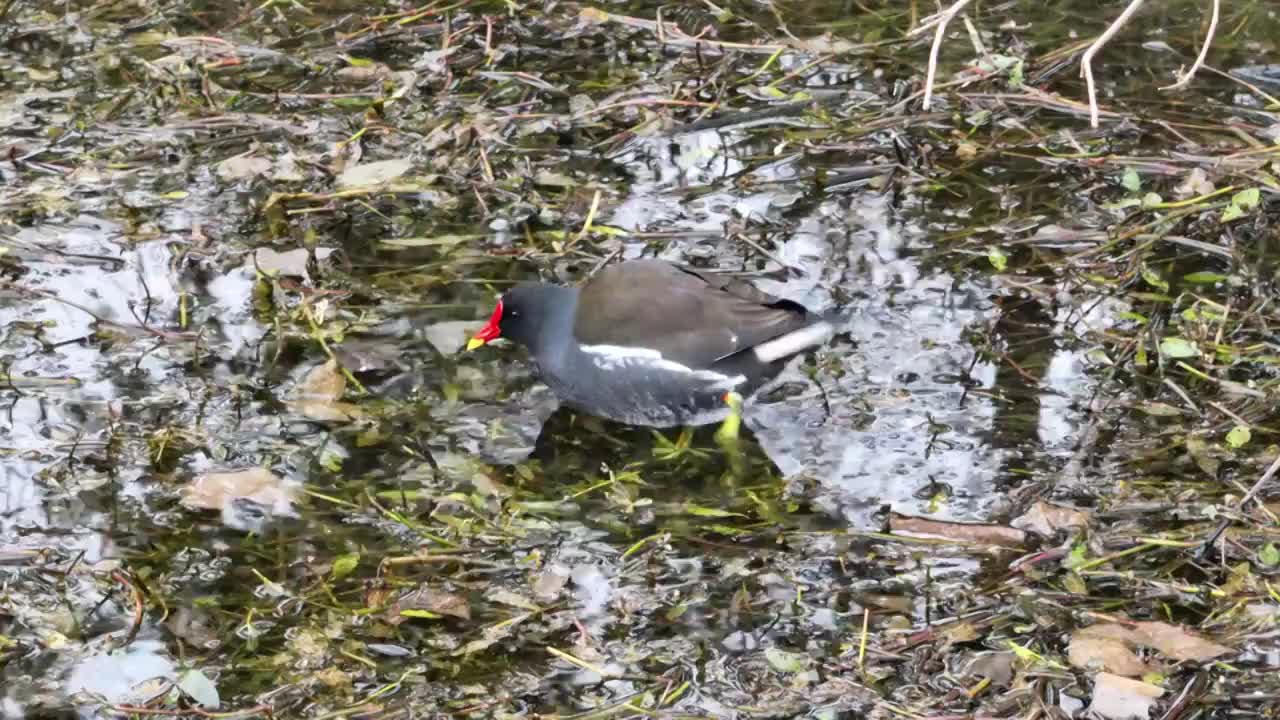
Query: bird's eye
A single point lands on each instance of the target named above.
(515, 313)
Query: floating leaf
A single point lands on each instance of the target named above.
(197, 686)
(373, 173)
(1077, 556)
(1247, 199)
(1196, 183)
(317, 395)
(608, 230)
(1205, 278)
(1241, 203)
(434, 241)
(1016, 75)
(1123, 203)
(549, 178)
(216, 491)
(1239, 436)
(1046, 518)
(1075, 584)
(981, 117)
(787, 662)
(1206, 456)
(1090, 650)
(1159, 409)
(1269, 555)
(1173, 641)
(1176, 347)
(243, 167)
(997, 258)
(1025, 654)
(292, 263)
(710, 512)
(417, 613)
(1154, 279)
(1176, 642)
(430, 603)
(1130, 180)
(344, 564)
(1120, 698)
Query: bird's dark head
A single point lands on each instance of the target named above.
(522, 314)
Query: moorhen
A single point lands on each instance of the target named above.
(646, 342)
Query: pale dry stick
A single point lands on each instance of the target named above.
(1262, 482)
(1185, 78)
(1239, 420)
(943, 19)
(1253, 493)
(1183, 394)
(1086, 61)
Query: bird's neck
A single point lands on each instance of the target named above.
(557, 323)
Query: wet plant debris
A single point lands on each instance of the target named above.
(247, 470)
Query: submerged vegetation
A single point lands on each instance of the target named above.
(246, 470)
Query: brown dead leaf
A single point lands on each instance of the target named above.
(593, 16)
(324, 382)
(492, 634)
(242, 167)
(822, 44)
(216, 491)
(362, 74)
(1089, 651)
(1205, 455)
(896, 603)
(431, 600)
(373, 173)
(1177, 642)
(1046, 519)
(962, 532)
(994, 666)
(514, 599)
(549, 583)
(960, 633)
(1171, 641)
(316, 397)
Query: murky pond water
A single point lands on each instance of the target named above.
(245, 466)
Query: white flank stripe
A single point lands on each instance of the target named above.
(794, 342)
(623, 353)
(613, 357)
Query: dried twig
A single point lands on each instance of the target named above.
(1262, 483)
(1184, 78)
(1086, 62)
(940, 21)
(139, 607)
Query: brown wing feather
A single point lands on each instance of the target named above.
(689, 317)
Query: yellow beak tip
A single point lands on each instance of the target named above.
(474, 343)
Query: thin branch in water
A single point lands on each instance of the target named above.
(1086, 62)
(1262, 483)
(1184, 78)
(941, 21)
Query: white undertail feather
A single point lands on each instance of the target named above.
(794, 342)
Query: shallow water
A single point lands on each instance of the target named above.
(149, 341)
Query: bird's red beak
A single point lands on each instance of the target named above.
(490, 331)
